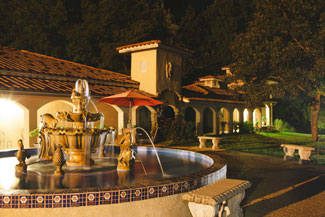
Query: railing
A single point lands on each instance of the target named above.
(4, 142)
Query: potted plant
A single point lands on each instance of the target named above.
(223, 126)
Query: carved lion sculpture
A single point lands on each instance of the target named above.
(47, 141)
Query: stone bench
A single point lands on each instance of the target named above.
(304, 152)
(215, 141)
(221, 198)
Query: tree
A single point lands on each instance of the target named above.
(107, 24)
(34, 25)
(209, 32)
(284, 46)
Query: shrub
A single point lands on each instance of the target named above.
(246, 127)
(282, 126)
(177, 130)
(34, 132)
(236, 126)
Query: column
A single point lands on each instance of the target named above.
(230, 121)
(32, 124)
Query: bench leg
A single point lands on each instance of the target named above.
(288, 153)
(215, 143)
(228, 208)
(234, 205)
(202, 210)
(202, 143)
(304, 156)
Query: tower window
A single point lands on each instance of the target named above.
(143, 66)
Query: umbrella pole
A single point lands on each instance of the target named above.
(129, 125)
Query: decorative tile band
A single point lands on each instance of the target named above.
(115, 195)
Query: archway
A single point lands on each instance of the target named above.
(190, 115)
(143, 118)
(168, 113)
(235, 116)
(190, 119)
(54, 107)
(114, 116)
(166, 123)
(224, 120)
(14, 124)
(207, 121)
(246, 115)
(257, 118)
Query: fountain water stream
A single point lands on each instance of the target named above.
(154, 148)
(93, 178)
(144, 170)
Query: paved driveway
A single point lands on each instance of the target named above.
(279, 188)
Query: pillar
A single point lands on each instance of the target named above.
(230, 121)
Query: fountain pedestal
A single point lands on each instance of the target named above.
(79, 141)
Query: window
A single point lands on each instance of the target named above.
(143, 66)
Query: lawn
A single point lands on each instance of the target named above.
(264, 143)
(269, 144)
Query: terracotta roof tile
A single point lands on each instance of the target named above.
(199, 92)
(220, 77)
(13, 60)
(22, 84)
(146, 43)
(139, 44)
(196, 88)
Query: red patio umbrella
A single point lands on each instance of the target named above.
(130, 98)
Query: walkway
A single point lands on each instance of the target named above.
(279, 188)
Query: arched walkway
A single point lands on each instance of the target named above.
(246, 117)
(224, 120)
(257, 118)
(190, 117)
(168, 113)
(207, 120)
(52, 108)
(143, 118)
(236, 120)
(14, 124)
(166, 123)
(114, 116)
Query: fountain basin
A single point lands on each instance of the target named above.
(77, 143)
(94, 188)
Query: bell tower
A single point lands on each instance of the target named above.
(157, 67)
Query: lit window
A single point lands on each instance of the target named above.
(143, 66)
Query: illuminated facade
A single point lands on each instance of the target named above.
(31, 84)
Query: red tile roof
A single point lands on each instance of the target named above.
(199, 92)
(13, 60)
(220, 77)
(139, 44)
(25, 71)
(157, 42)
(46, 86)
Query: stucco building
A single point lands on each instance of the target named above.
(32, 84)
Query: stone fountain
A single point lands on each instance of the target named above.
(79, 141)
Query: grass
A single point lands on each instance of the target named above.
(252, 143)
(270, 144)
(267, 144)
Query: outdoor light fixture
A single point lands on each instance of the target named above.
(186, 100)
